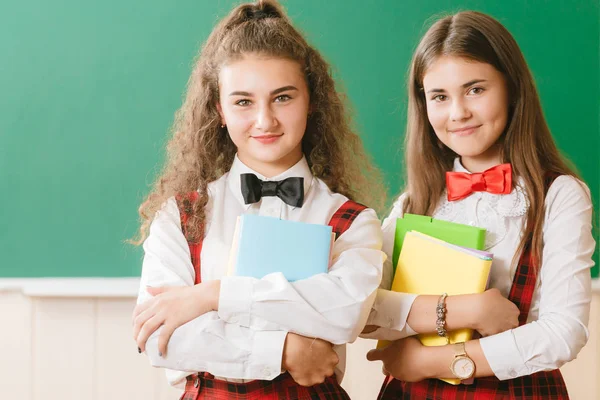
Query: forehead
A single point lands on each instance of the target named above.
(255, 73)
(449, 72)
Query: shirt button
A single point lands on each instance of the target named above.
(390, 322)
(513, 373)
(266, 372)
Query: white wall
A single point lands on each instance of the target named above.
(56, 342)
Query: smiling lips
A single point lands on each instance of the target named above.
(464, 131)
(266, 139)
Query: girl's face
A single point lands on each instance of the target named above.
(264, 102)
(467, 106)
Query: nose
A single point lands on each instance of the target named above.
(459, 110)
(265, 118)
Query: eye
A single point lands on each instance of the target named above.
(439, 98)
(282, 98)
(475, 90)
(243, 102)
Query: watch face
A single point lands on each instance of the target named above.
(463, 367)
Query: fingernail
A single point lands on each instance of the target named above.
(139, 350)
(159, 354)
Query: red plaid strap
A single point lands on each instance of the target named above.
(185, 209)
(344, 216)
(523, 286)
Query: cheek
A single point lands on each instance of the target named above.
(294, 119)
(437, 118)
(237, 118)
(237, 126)
(495, 113)
(299, 125)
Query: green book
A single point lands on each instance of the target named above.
(451, 232)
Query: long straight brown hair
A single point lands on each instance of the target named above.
(200, 150)
(526, 142)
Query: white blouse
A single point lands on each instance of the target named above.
(557, 324)
(244, 339)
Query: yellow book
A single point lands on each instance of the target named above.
(429, 266)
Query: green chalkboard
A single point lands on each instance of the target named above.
(89, 89)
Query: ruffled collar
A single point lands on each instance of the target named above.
(491, 210)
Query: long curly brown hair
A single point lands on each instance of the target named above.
(526, 142)
(200, 150)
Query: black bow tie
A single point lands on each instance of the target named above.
(290, 190)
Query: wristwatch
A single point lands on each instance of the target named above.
(462, 366)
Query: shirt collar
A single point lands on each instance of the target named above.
(300, 170)
(458, 167)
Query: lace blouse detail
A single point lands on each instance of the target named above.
(485, 210)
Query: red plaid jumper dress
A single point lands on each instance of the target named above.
(546, 385)
(204, 385)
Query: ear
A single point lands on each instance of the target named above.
(220, 110)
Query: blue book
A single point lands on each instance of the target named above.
(264, 245)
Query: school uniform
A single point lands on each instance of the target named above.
(554, 301)
(244, 340)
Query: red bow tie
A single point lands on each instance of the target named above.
(497, 180)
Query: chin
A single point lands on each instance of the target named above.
(269, 158)
(470, 154)
(468, 151)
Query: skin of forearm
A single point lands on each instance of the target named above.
(438, 359)
(459, 313)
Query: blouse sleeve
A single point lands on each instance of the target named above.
(564, 284)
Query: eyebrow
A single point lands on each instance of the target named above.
(274, 92)
(464, 85)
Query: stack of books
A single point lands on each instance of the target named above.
(432, 257)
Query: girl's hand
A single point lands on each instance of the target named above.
(309, 361)
(403, 359)
(172, 307)
(494, 313)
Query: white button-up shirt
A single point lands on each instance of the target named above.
(245, 338)
(557, 324)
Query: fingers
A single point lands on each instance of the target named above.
(148, 329)
(140, 320)
(155, 291)
(336, 359)
(306, 383)
(375, 354)
(495, 291)
(305, 380)
(140, 308)
(163, 339)
(312, 380)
